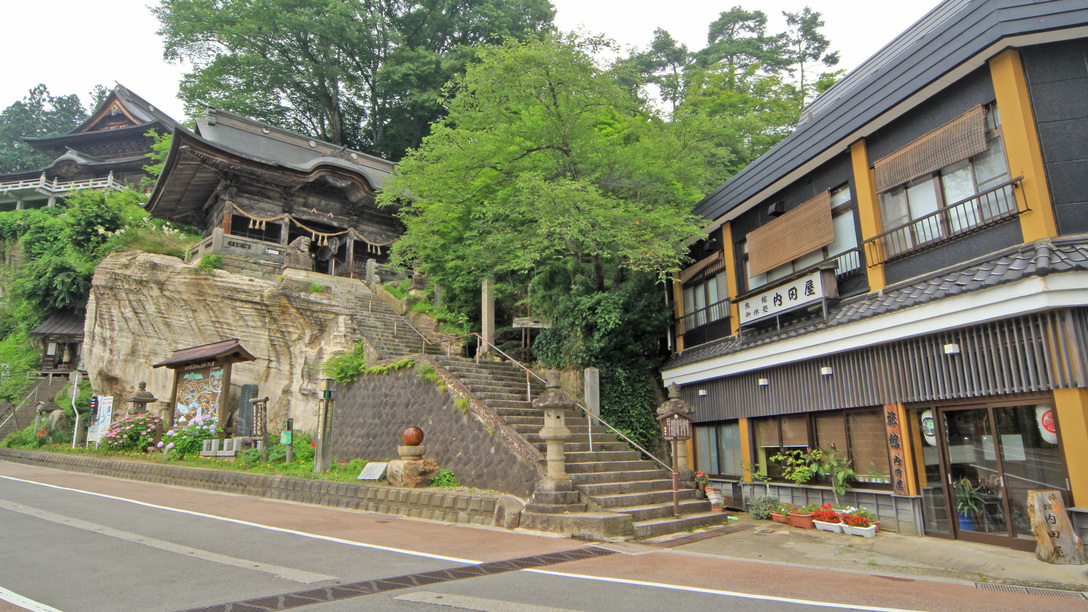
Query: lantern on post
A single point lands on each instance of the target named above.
(675, 418)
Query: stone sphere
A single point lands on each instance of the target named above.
(413, 436)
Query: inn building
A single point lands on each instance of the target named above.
(905, 276)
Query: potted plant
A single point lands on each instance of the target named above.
(969, 503)
(796, 466)
(856, 524)
(779, 512)
(801, 517)
(835, 466)
(701, 481)
(827, 519)
(760, 508)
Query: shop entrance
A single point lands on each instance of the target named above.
(977, 463)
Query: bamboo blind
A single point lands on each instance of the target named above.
(954, 141)
(798, 232)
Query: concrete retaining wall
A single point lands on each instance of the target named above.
(435, 504)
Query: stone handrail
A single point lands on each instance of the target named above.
(57, 187)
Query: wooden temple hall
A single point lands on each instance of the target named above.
(254, 189)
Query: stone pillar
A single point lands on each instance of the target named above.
(217, 240)
(593, 390)
(487, 315)
(675, 404)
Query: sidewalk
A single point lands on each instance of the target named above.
(888, 554)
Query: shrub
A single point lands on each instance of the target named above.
(761, 507)
(135, 432)
(210, 261)
(28, 437)
(302, 444)
(189, 440)
(445, 478)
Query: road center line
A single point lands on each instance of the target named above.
(279, 571)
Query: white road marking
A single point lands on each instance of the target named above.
(29, 604)
(303, 534)
(737, 594)
(476, 604)
(822, 604)
(286, 573)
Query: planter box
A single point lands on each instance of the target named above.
(804, 521)
(832, 527)
(865, 532)
(776, 517)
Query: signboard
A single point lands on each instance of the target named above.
(533, 322)
(1057, 541)
(285, 437)
(102, 421)
(243, 419)
(675, 426)
(803, 291)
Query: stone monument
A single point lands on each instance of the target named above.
(412, 470)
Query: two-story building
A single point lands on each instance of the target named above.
(905, 277)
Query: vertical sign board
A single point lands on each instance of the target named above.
(243, 419)
(895, 450)
(1057, 542)
(102, 422)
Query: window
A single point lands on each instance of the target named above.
(718, 450)
(843, 248)
(859, 433)
(954, 199)
(706, 301)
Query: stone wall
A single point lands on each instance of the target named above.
(369, 415)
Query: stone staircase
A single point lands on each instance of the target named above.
(610, 477)
(44, 389)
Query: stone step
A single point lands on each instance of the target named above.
(652, 528)
(643, 498)
(582, 447)
(490, 395)
(605, 466)
(603, 456)
(618, 476)
(648, 512)
(623, 488)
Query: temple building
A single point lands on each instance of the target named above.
(903, 278)
(254, 189)
(107, 151)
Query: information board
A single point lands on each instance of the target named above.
(102, 422)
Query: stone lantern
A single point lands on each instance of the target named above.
(675, 405)
(140, 400)
(555, 403)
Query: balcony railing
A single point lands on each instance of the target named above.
(56, 187)
(702, 316)
(959, 219)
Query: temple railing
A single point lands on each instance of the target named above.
(57, 187)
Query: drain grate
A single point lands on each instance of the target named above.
(368, 587)
(1008, 588)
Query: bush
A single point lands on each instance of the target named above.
(189, 440)
(303, 445)
(28, 437)
(133, 433)
(210, 261)
(762, 507)
(445, 478)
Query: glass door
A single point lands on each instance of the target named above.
(973, 473)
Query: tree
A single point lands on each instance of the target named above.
(807, 43)
(664, 65)
(551, 178)
(38, 115)
(738, 45)
(363, 73)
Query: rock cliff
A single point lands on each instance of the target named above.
(143, 307)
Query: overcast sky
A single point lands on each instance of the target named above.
(71, 45)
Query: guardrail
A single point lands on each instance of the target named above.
(56, 187)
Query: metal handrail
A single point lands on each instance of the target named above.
(878, 249)
(528, 385)
(15, 408)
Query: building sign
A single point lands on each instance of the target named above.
(895, 449)
(800, 292)
(1057, 542)
(675, 426)
(532, 322)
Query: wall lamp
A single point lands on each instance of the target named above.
(951, 349)
(826, 371)
(763, 382)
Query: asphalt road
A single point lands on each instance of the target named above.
(76, 542)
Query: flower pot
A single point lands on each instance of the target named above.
(832, 527)
(865, 532)
(719, 509)
(776, 517)
(715, 496)
(802, 520)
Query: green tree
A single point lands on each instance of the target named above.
(363, 73)
(551, 178)
(807, 44)
(38, 115)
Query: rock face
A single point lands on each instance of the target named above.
(144, 306)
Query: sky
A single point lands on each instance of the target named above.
(72, 45)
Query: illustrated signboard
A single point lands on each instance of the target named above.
(102, 421)
(199, 387)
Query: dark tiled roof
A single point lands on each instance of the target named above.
(1037, 259)
(947, 37)
(230, 350)
(61, 323)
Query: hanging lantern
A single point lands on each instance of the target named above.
(1044, 418)
(929, 428)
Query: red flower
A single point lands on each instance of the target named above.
(41, 433)
(313, 444)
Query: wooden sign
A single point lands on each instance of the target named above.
(675, 426)
(1057, 541)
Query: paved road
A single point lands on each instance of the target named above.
(77, 542)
